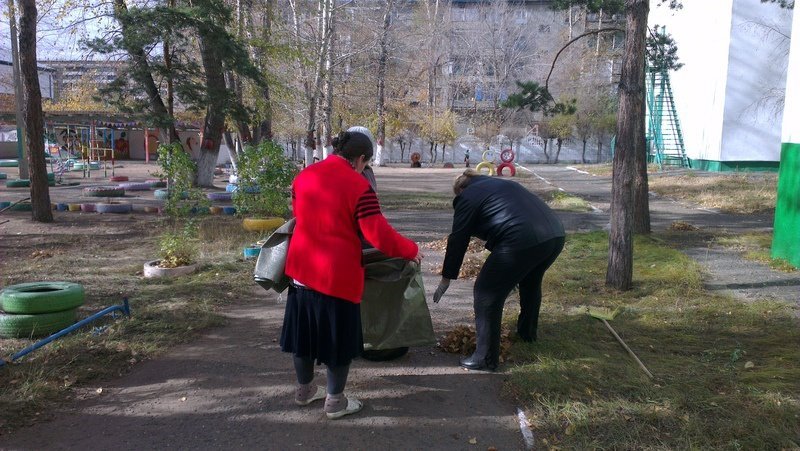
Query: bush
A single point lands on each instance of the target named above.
(265, 176)
(178, 248)
(179, 171)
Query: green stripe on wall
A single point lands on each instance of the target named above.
(734, 166)
(786, 236)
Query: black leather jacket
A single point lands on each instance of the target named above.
(504, 214)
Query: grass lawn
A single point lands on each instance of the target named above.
(726, 372)
(741, 192)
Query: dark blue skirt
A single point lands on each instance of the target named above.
(324, 328)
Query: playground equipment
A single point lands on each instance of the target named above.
(85, 148)
(416, 160)
(487, 156)
(507, 158)
(664, 136)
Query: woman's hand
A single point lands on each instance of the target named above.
(418, 258)
(444, 284)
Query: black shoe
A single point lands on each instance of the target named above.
(478, 364)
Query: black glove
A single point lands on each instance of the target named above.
(443, 285)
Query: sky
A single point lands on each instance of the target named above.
(56, 38)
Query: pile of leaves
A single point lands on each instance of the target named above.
(461, 340)
(475, 245)
(682, 226)
(469, 268)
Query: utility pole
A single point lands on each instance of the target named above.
(18, 93)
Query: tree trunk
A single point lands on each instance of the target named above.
(583, 154)
(32, 112)
(384, 55)
(402, 151)
(214, 124)
(265, 126)
(443, 151)
(641, 200)
(599, 149)
(327, 100)
(630, 130)
(168, 68)
(559, 142)
(431, 152)
(141, 73)
(544, 149)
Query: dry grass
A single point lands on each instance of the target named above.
(730, 193)
(755, 246)
(744, 193)
(109, 266)
(726, 372)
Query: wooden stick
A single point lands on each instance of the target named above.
(627, 348)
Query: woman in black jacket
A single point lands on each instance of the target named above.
(524, 236)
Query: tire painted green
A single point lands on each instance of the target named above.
(21, 183)
(3, 176)
(41, 297)
(24, 206)
(9, 163)
(29, 326)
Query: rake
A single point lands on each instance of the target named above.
(605, 315)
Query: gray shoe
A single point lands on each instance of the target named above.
(353, 406)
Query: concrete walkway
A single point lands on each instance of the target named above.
(726, 269)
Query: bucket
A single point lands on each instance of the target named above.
(252, 251)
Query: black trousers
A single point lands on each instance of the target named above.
(502, 271)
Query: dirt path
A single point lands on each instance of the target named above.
(232, 387)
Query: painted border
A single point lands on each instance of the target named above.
(734, 166)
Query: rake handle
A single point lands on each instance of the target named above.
(627, 348)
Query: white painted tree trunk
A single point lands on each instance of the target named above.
(379, 155)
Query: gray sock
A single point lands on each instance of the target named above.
(304, 392)
(335, 403)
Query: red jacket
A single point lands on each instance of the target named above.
(331, 203)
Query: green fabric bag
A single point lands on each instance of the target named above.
(394, 312)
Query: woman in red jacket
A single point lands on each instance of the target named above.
(332, 203)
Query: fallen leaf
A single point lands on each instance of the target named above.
(749, 365)
(473, 441)
(183, 399)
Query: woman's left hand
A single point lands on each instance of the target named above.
(418, 258)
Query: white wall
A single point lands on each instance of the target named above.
(732, 64)
(701, 31)
(791, 114)
(756, 69)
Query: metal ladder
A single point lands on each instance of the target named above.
(664, 136)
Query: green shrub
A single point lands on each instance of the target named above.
(265, 176)
(179, 248)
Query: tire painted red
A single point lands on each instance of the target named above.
(511, 169)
